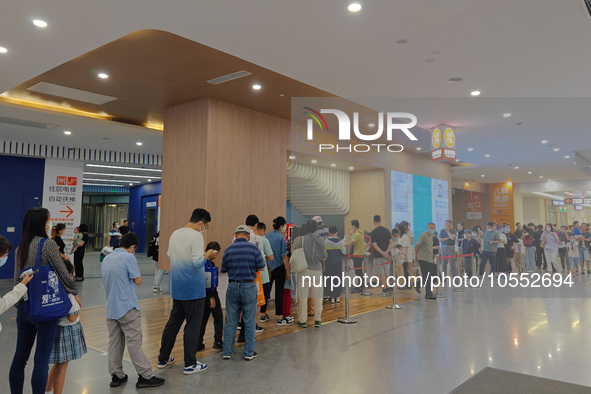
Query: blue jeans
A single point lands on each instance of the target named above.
(27, 331)
(531, 258)
(492, 257)
(240, 297)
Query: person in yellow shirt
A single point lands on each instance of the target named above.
(358, 244)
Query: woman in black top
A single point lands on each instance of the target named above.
(79, 253)
(56, 233)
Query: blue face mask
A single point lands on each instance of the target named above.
(431, 231)
(3, 260)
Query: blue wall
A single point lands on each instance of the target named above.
(139, 196)
(22, 188)
(295, 216)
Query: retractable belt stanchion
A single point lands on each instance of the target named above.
(394, 304)
(347, 319)
(459, 289)
(364, 291)
(438, 268)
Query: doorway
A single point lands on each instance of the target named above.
(150, 225)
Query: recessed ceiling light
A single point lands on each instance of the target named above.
(139, 143)
(39, 23)
(371, 124)
(454, 80)
(67, 132)
(292, 157)
(509, 183)
(507, 115)
(281, 95)
(354, 7)
(475, 93)
(487, 155)
(556, 149)
(470, 149)
(351, 168)
(3, 50)
(482, 176)
(333, 164)
(256, 86)
(103, 75)
(516, 167)
(567, 157)
(314, 161)
(149, 180)
(529, 172)
(131, 184)
(544, 141)
(419, 148)
(402, 41)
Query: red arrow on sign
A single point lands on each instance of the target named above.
(71, 211)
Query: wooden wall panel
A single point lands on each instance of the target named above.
(367, 199)
(184, 168)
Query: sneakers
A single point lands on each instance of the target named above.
(165, 364)
(289, 318)
(331, 300)
(338, 300)
(197, 367)
(284, 322)
(317, 323)
(302, 325)
(218, 345)
(154, 381)
(157, 290)
(116, 381)
(264, 319)
(259, 329)
(227, 356)
(251, 357)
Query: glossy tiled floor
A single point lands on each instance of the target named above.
(429, 346)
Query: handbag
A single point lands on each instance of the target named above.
(47, 297)
(297, 261)
(211, 276)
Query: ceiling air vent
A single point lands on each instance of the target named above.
(587, 4)
(229, 77)
(26, 123)
(71, 93)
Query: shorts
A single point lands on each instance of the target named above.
(381, 269)
(583, 254)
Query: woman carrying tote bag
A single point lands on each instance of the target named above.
(35, 226)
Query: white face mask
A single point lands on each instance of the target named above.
(3, 260)
(548, 229)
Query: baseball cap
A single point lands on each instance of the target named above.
(317, 219)
(242, 229)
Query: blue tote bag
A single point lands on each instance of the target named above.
(211, 276)
(47, 297)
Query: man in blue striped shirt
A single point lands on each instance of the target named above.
(241, 261)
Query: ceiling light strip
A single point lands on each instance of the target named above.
(111, 180)
(123, 168)
(122, 175)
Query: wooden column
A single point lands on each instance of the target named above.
(224, 158)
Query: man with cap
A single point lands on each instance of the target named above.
(241, 261)
(322, 229)
(490, 239)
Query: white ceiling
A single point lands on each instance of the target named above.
(504, 48)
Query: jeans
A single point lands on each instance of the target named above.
(492, 257)
(28, 330)
(192, 312)
(241, 297)
(158, 276)
(531, 258)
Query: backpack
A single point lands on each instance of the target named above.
(528, 241)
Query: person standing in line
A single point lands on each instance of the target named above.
(335, 249)
(187, 277)
(241, 261)
(518, 232)
(279, 267)
(549, 240)
(458, 246)
(584, 247)
(408, 253)
(541, 262)
(382, 243)
(510, 249)
(490, 239)
(469, 246)
(153, 251)
(213, 307)
(424, 253)
(79, 253)
(124, 229)
(528, 242)
(501, 265)
(573, 254)
(114, 236)
(322, 228)
(358, 244)
(563, 239)
(447, 238)
(119, 272)
(56, 234)
(34, 231)
(520, 254)
(265, 277)
(315, 253)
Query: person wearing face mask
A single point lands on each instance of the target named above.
(549, 241)
(572, 247)
(187, 279)
(501, 265)
(120, 272)
(458, 244)
(469, 246)
(114, 236)
(424, 255)
(279, 267)
(510, 250)
(20, 289)
(490, 239)
(563, 239)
